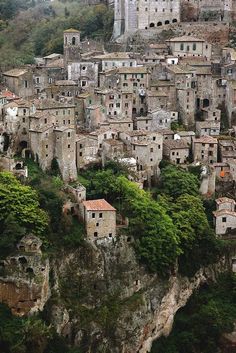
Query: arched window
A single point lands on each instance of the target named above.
(167, 22)
(73, 40)
(152, 24)
(159, 24)
(174, 20)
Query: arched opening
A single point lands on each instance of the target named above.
(206, 103)
(6, 142)
(23, 144)
(141, 111)
(174, 20)
(30, 271)
(152, 24)
(18, 166)
(167, 22)
(159, 24)
(73, 40)
(22, 260)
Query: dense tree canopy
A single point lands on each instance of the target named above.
(38, 30)
(176, 181)
(198, 326)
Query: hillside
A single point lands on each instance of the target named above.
(31, 31)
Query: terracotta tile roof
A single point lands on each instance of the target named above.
(15, 72)
(224, 200)
(176, 144)
(185, 39)
(224, 212)
(71, 30)
(205, 139)
(98, 205)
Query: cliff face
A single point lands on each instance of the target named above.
(104, 301)
(24, 280)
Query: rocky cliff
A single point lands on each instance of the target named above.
(101, 299)
(104, 301)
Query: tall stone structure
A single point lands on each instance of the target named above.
(72, 46)
(131, 15)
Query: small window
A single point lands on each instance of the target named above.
(95, 234)
(100, 215)
(93, 215)
(224, 219)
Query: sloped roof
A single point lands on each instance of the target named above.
(98, 205)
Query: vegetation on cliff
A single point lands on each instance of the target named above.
(38, 30)
(171, 226)
(199, 325)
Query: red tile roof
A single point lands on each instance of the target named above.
(98, 205)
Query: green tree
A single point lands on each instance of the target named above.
(176, 182)
(22, 204)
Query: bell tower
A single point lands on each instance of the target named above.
(72, 46)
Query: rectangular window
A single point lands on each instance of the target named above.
(100, 215)
(93, 215)
(224, 220)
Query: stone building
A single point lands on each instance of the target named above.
(100, 219)
(224, 216)
(72, 46)
(176, 151)
(115, 60)
(210, 128)
(205, 149)
(207, 10)
(227, 150)
(190, 46)
(230, 101)
(20, 81)
(133, 15)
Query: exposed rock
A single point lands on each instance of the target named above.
(24, 279)
(114, 305)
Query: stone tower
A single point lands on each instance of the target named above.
(72, 46)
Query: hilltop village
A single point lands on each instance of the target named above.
(174, 99)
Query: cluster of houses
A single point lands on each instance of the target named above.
(90, 106)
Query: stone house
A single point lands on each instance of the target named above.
(227, 150)
(115, 60)
(185, 81)
(51, 142)
(112, 149)
(224, 216)
(63, 110)
(143, 123)
(118, 125)
(168, 88)
(62, 88)
(211, 114)
(210, 128)
(99, 219)
(117, 103)
(156, 49)
(157, 100)
(86, 150)
(94, 116)
(186, 136)
(205, 149)
(136, 80)
(230, 101)
(176, 151)
(190, 46)
(85, 72)
(20, 81)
